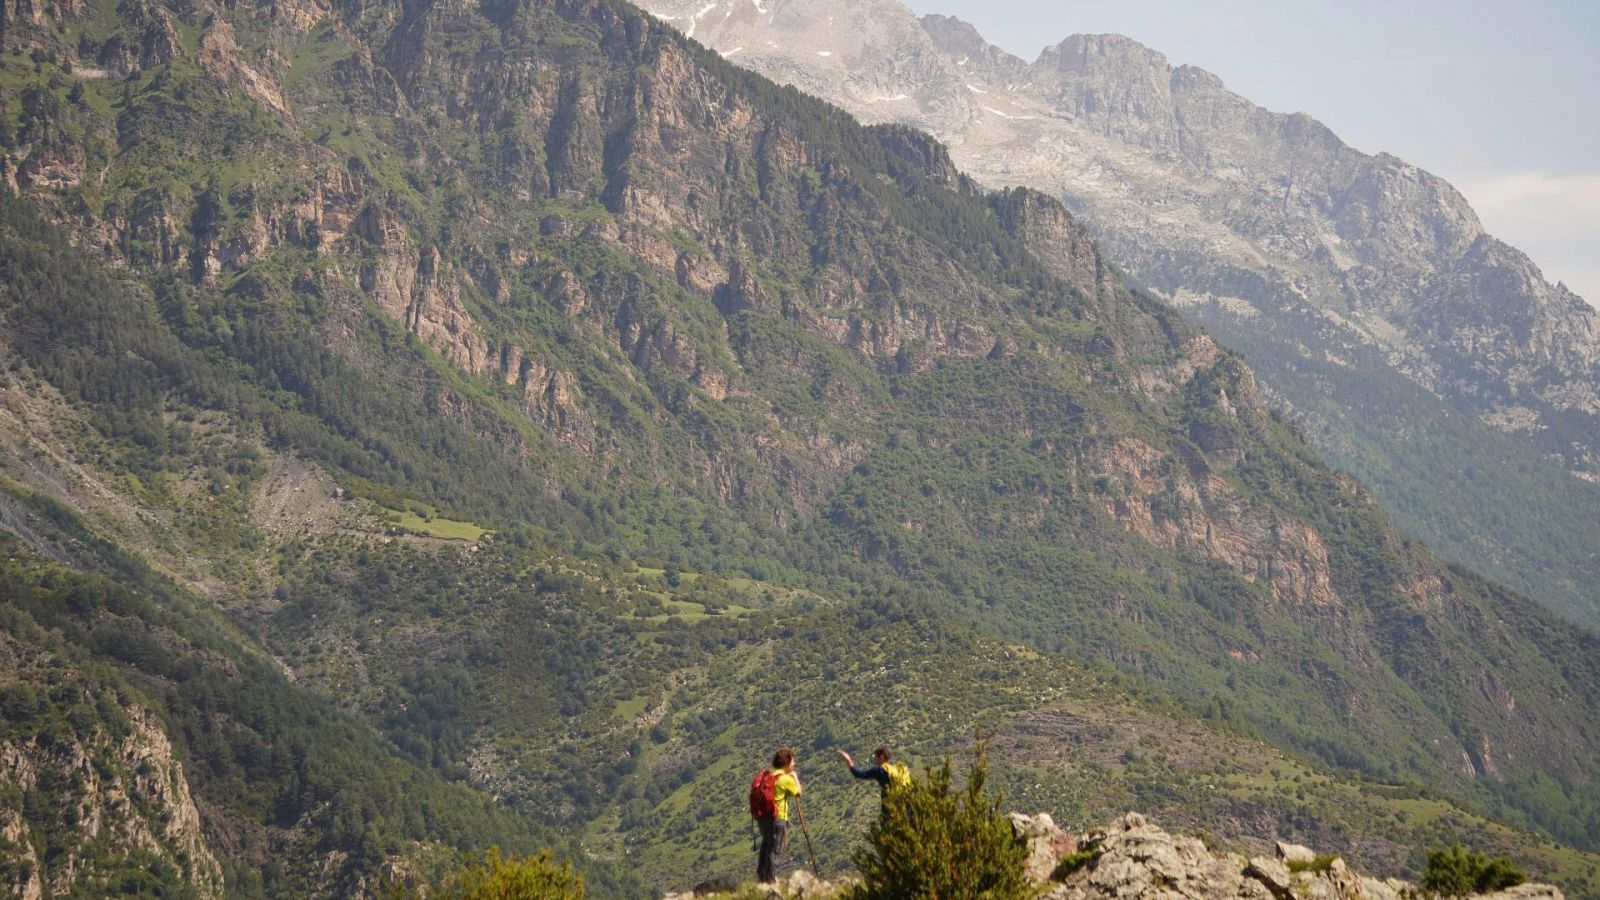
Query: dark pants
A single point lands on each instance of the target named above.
(774, 843)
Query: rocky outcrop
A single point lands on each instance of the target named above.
(1047, 843)
(1134, 858)
(1057, 239)
(123, 797)
(221, 56)
(797, 885)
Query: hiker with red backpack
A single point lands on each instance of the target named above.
(769, 806)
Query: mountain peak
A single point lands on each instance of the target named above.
(957, 37)
(961, 43)
(1193, 77)
(1097, 51)
(953, 34)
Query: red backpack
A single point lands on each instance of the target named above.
(763, 795)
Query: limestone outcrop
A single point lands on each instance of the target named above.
(1135, 859)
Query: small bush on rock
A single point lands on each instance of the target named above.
(1458, 872)
(1322, 863)
(500, 877)
(1072, 862)
(934, 841)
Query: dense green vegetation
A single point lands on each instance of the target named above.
(643, 737)
(1459, 872)
(934, 840)
(1468, 491)
(296, 785)
(496, 876)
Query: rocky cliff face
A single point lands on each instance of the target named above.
(1327, 267)
(88, 803)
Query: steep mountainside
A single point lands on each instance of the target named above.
(313, 272)
(1424, 355)
(147, 749)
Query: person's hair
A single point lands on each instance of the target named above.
(882, 753)
(782, 758)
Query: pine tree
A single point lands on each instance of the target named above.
(934, 841)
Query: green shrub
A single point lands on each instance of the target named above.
(935, 841)
(496, 876)
(1322, 863)
(1072, 862)
(538, 877)
(1457, 872)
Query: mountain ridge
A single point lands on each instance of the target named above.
(1281, 240)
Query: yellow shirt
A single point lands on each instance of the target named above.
(786, 787)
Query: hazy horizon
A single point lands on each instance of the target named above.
(1498, 99)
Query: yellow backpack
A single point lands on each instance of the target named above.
(899, 776)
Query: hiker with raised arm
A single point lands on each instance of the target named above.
(884, 772)
(769, 806)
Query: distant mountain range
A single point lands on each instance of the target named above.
(1419, 352)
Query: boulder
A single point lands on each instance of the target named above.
(1295, 853)
(1373, 889)
(1136, 859)
(1273, 874)
(1337, 882)
(1527, 892)
(1047, 843)
(803, 884)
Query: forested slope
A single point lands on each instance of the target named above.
(552, 270)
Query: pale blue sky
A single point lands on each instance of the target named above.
(1502, 98)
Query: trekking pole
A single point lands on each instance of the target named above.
(800, 816)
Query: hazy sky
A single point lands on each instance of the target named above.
(1501, 98)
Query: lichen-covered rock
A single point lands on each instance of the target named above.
(1527, 892)
(1273, 874)
(1133, 858)
(1295, 853)
(1047, 843)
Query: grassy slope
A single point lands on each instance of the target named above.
(615, 703)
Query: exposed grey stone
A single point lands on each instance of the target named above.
(1273, 874)
(1527, 892)
(1136, 860)
(1047, 843)
(1290, 853)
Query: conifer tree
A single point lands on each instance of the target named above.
(933, 840)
